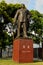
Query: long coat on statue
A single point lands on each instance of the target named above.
(21, 19)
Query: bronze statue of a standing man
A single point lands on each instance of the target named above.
(21, 18)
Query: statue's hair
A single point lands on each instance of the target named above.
(23, 6)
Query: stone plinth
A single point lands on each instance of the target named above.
(23, 50)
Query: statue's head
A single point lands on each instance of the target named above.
(23, 6)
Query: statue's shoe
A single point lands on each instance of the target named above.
(25, 36)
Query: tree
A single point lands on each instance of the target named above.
(36, 26)
(7, 12)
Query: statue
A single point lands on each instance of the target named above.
(22, 19)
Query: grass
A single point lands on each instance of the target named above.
(11, 62)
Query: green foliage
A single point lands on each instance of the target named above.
(7, 11)
(36, 39)
(37, 26)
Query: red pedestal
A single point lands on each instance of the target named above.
(23, 50)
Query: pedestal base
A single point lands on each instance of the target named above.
(23, 50)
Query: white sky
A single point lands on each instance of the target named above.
(39, 5)
(26, 2)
